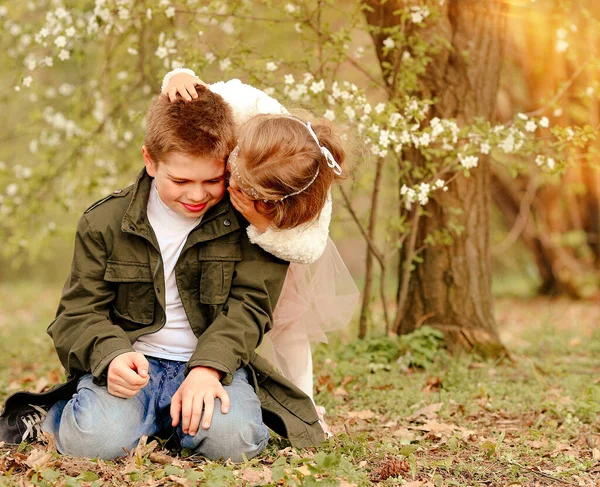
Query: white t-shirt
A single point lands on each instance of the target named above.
(175, 340)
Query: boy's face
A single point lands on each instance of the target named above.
(188, 185)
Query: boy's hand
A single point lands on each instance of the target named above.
(197, 392)
(127, 374)
(183, 84)
(245, 205)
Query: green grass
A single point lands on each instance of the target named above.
(531, 419)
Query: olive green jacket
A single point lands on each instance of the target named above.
(228, 288)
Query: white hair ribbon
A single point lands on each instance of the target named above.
(331, 162)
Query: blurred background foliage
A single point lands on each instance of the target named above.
(78, 76)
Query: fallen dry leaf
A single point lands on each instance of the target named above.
(596, 454)
(428, 412)
(38, 458)
(180, 481)
(436, 427)
(255, 477)
(414, 483)
(404, 434)
(366, 414)
(340, 392)
(537, 444)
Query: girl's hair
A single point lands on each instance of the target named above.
(278, 156)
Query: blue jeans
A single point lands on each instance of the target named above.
(94, 423)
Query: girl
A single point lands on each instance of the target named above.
(281, 175)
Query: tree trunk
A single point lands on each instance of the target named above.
(451, 288)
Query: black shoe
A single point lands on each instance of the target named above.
(24, 412)
(22, 425)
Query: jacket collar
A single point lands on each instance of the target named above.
(217, 221)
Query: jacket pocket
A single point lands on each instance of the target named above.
(217, 265)
(135, 290)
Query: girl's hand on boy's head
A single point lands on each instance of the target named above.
(184, 84)
(197, 393)
(127, 374)
(247, 207)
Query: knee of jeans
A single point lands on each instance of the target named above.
(91, 428)
(233, 437)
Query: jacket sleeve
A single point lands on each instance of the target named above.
(84, 336)
(230, 340)
(303, 244)
(245, 100)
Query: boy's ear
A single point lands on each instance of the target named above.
(150, 165)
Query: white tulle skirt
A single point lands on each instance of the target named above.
(315, 299)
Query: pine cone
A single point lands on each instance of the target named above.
(389, 467)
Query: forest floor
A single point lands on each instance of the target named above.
(403, 411)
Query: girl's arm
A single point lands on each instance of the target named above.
(245, 100)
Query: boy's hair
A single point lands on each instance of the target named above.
(201, 127)
(278, 156)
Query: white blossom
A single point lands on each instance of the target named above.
(440, 183)
(132, 51)
(210, 57)
(468, 162)
(561, 46)
(161, 52)
(508, 144)
(558, 112)
(228, 26)
(561, 33)
(394, 119)
(522, 116)
(531, 126)
(70, 32)
(409, 198)
(60, 41)
(379, 108)
(425, 139)
(360, 51)
(3, 11)
(389, 43)
(66, 89)
(63, 55)
(225, 64)
(33, 146)
(170, 12)
(544, 122)
(485, 148)
(288, 79)
(329, 114)
(384, 138)
(418, 14)
(291, 8)
(298, 27)
(12, 189)
(570, 133)
(30, 62)
(550, 163)
(317, 86)
(271, 66)
(350, 112)
(539, 160)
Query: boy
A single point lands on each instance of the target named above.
(166, 302)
